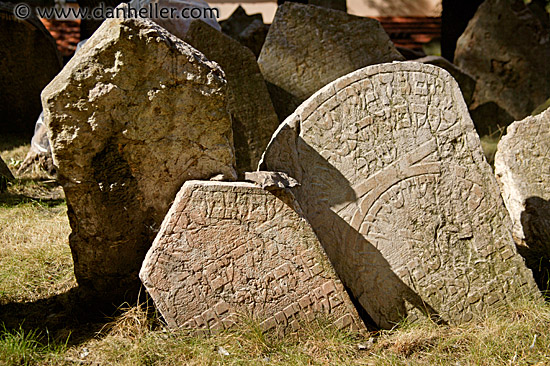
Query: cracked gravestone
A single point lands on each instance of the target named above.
(394, 182)
(29, 60)
(308, 46)
(253, 117)
(521, 167)
(506, 48)
(132, 116)
(227, 249)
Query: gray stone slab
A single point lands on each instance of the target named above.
(396, 187)
(308, 46)
(506, 48)
(253, 117)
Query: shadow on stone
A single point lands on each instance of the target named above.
(535, 221)
(375, 289)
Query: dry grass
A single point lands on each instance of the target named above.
(35, 263)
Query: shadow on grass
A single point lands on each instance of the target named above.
(40, 191)
(63, 317)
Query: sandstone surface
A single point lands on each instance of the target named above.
(133, 115)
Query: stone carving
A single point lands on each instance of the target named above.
(133, 115)
(521, 167)
(506, 48)
(396, 187)
(29, 60)
(309, 46)
(466, 83)
(253, 117)
(230, 249)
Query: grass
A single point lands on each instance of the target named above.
(40, 326)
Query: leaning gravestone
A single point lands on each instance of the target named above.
(395, 185)
(249, 30)
(309, 46)
(230, 249)
(253, 117)
(132, 116)
(521, 167)
(29, 60)
(506, 48)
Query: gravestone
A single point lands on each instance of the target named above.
(394, 182)
(521, 167)
(308, 46)
(231, 249)
(132, 116)
(249, 30)
(29, 60)
(253, 117)
(466, 83)
(506, 48)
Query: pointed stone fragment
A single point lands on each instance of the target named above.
(394, 182)
(231, 249)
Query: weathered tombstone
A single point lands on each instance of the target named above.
(250, 30)
(521, 167)
(466, 83)
(230, 249)
(29, 60)
(5, 175)
(132, 116)
(506, 48)
(253, 117)
(309, 46)
(396, 187)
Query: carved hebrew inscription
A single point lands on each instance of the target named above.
(394, 182)
(232, 249)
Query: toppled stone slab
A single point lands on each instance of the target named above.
(132, 116)
(506, 48)
(521, 167)
(253, 117)
(29, 60)
(309, 46)
(231, 249)
(271, 180)
(394, 182)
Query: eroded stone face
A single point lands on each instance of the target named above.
(309, 46)
(132, 116)
(253, 117)
(506, 48)
(396, 187)
(521, 167)
(231, 249)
